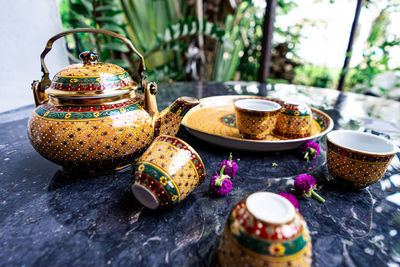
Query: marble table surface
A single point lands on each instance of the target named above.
(47, 218)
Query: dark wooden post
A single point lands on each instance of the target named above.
(345, 69)
(266, 43)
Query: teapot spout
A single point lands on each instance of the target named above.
(168, 121)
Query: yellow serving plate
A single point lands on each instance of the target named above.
(214, 121)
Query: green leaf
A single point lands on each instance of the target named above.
(81, 9)
(167, 36)
(113, 13)
(89, 47)
(214, 29)
(115, 46)
(88, 4)
(105, 8)
(117, 19)
(181, 25)
(78, 23)
(171, 31)
(208, 28)
(185, 30)
(220, 34)
(204, 24)
(185, 27)
(114, 28)
(107, 19)
(189, 23)
(197, 24)
(175, 27)
(119, 62)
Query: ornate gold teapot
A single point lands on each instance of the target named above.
(89, 118)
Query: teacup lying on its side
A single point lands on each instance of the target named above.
(167, 172)
(358, 159)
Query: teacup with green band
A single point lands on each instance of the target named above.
(167, 172)
(265, 229)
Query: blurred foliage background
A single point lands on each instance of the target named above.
(220, 40)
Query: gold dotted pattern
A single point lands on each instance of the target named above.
(294, 125)
(209, 120)
(359, 172)
(231, 253)
(176, 162)
(170, 123)
(257, 127)
(94, 70)
(90, 140)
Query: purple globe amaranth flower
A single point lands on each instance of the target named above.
(220, 184)
(310, 150)
(291, 198)
(305, 184)
(231, 166)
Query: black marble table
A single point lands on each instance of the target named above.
(47, 218)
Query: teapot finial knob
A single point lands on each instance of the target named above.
(88, 57)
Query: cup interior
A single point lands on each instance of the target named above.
(294, 102)
(270, 208)
(145, 196)
(257, 105)
(362, 142)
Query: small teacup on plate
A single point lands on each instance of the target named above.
(255, 118)
(264, 229)
(167, 172)
(294, 121)
(356, 158)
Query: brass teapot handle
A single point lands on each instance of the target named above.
(46, 82)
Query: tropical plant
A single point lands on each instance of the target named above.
(310, 75)
(167, 33)
(105, 14)
(161, 30)
(238, 57)
(376, 54)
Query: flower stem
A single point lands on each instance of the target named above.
(230, 158)
(317, 196)
(221, 172)
(310, 153)
(306, 156)
(221, 177)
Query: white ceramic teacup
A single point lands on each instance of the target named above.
(357, 158)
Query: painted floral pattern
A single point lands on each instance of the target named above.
(276, 249)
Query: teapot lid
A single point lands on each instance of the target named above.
(91, 79)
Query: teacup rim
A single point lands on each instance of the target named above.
(151, 202)
(394, 151)
(295, 102)
(277, 105)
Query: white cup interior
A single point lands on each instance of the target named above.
(295, 102)
(270, 208)
(145, 196)
(362, 142)
(257, 105)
